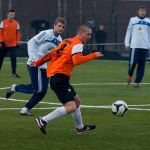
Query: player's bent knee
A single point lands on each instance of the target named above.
(77, 104)
(77, 101)
(70, 107)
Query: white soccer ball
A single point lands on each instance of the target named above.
(119, 108)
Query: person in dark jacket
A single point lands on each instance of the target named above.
(100, 37)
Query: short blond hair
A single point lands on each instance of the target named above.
(60, 20)
(83, 28)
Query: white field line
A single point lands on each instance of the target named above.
(18, 100)
(33, 108)
(111, 83)
(140, 109)
(107, 107)
(89, 84)
(82, 106)
(4, 88)
(59, 104)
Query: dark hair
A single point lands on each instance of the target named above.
(61, 20)
(141, 7)
(11, 10)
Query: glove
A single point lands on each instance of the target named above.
(3, 44)
(17, 45)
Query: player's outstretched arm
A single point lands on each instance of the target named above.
(42, 60)
(80, 59)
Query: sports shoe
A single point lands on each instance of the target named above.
(25, 112)
(85, 128)
(137, 85)
(11, 91)
(129, 80)
(41, 124)
(15, 75)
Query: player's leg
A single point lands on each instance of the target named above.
(141, 67)
(66, 95)
(98, 46)
(31, 88)
(80, 127)
(77, 116)
(3, 52)
(39, 95)
(60, 85)
(132, 64)
(26, 88)
(12, 51)
(59, 112)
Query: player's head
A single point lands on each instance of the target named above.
(141, 11)
(59, 25)
(101, 27)
(84, 32)
(11, 14)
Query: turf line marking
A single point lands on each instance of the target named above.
(18, 100)
(82, 106)
(4, 88)
(140, 105)
(87, 84)
(59, 104)
(111, 83)
(104, 107)
(139, 109)
(33, 108)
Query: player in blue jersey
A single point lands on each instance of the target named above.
(138, 41)
(38, 46)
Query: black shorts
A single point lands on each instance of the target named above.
(60, 85)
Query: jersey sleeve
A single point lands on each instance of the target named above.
(41, 37)
(77, 56)
(45, 58)
(78, 48)
(149, 37)
(1, 30)
(80, 59)
(2, 25)
(18, 27)
(18, 37)
(33, 44)
(18, 33)
(128, 33)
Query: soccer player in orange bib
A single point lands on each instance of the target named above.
(63, 59)
(10, 40)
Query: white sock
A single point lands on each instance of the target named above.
(78, 118)
(61, 111)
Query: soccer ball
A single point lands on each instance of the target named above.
(119, 108)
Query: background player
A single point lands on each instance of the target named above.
(38, 46)
(9, 40)
(138, 40)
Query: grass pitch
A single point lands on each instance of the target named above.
(97, 83)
